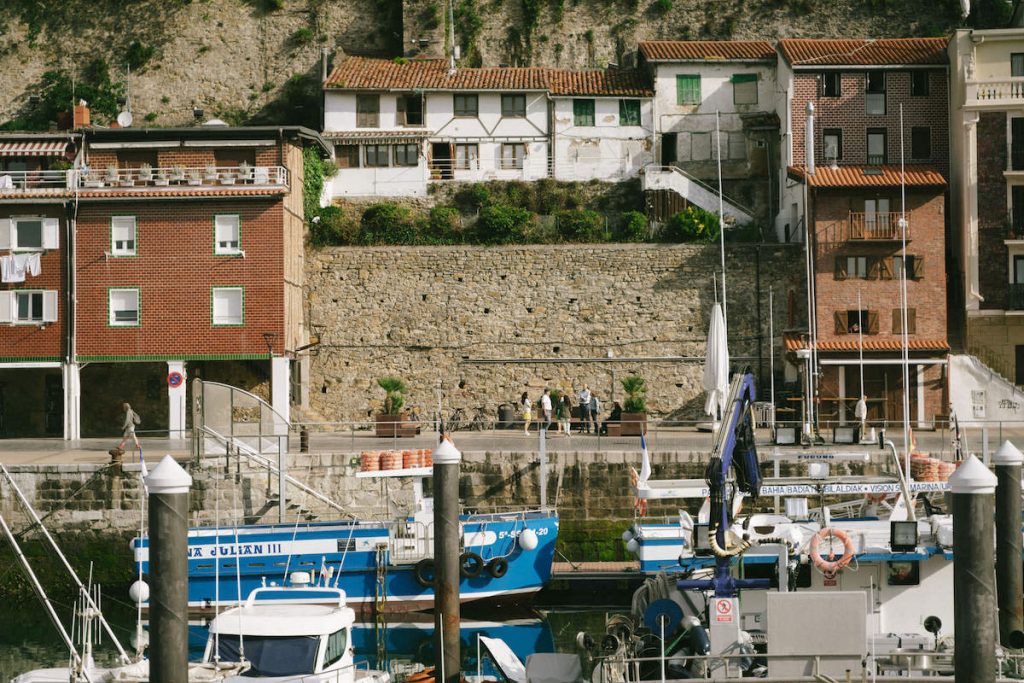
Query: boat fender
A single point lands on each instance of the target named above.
(424, 572)
(498, 567)
(470, 565)
(831, 566)
(700, 643)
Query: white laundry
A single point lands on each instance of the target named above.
(33, 264)
(14, 268)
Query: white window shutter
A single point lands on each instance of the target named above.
(51, 239)
(49, 306)
(6, 307)
(5, 233)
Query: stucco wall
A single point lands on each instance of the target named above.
(540, 315)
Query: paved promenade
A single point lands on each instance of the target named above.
(662, 439)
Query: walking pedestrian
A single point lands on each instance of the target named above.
(545, 409)
(584, 401)
(565, 416)
(595, 412)
(526, 406)
(131, 419)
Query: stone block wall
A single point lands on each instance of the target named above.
(477, 326)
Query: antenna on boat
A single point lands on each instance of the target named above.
(721, 218)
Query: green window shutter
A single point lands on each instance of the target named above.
(687, 89)
(744, 78)
(583, 112)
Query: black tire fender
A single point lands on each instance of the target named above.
(470, 565)
(498, 567)
(424, 572)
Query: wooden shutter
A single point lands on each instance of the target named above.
(51, 237)
(911, 321)
(872, 322)
(884, 268)
(917, 267)
(5, 233)
(50, 306)
(6, 306)
(841, 268)
(873, 268)
(897, 322)
(841, 321)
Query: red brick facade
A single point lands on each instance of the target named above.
(32, 341)
(993, 217)
(848, 113)
(174, 269)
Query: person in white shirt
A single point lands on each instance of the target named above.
(545, 409)
(584, 400)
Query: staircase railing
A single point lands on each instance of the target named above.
(995, 365)
(700, 183)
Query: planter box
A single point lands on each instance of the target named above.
(395, 426)
(633, 424)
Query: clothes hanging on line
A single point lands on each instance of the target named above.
(14, 267)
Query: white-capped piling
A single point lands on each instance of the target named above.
(1009, 579)
(446, 562)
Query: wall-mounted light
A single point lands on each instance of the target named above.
(268, 339)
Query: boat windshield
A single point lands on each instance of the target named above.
(272, 656)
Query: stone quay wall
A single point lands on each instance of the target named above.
(469, 326)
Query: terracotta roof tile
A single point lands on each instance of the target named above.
(34, 194)
(863, 51)
(870, 176)
(150, 193)
(364, 73)
(707, 50)
(797, 341)
(623, 82)
(373, 134)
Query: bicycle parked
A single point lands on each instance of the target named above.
(460, 420)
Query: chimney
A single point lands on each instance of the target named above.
(81, 117)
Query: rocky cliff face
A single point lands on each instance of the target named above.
(260, 60)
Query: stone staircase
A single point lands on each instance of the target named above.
(980, 388)
(694, 191)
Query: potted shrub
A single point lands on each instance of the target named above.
(391, 421)
(195, 177)
(111, 176)
(145, 173)
(634, 407)
(178, 174)
(211, 173)
(244, 171)
(161, 179)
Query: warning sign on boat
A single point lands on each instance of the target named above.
(723, 610)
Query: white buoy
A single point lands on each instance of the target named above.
(139, 592)
(632, 546)
(528, 539)
(627, 535)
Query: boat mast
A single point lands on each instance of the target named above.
(721, 220)
(903, 308)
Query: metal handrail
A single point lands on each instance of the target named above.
(701, 183)
(176, 176)
(35, 180)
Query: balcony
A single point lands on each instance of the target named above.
(1015, 297)
(151, 179)
(994, 93)
(876, 227)
(35, 182)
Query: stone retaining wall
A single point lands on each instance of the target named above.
(477, 326)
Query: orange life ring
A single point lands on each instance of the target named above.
(831, 566)
(876, 497)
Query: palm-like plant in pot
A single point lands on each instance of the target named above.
(390, 420)
(634, 407)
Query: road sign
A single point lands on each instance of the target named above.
(174, 380)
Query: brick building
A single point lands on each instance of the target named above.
(186, 257)
(853, 198)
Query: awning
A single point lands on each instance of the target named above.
(33, 148)
(796, 341)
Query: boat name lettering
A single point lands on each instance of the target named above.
(240, 550)
(540, 531)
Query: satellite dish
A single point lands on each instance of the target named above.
(124, 119)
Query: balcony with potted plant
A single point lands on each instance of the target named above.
(634, 407)
(392, 422)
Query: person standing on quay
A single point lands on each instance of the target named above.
(545, 409)
(565, 416)
(595, 412)
(584, 399)
(131, 418)
(526, 406)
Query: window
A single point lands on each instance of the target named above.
(1016, 64)
(227, 305)
(744, 88)
(583, 112)
(30, 233)
(688, 89)
(124, 307)
(232, 157)
(407, 155)
(466, 105)
(915, 266)
(854, 320)
(862, 267)
(227, 237)
(629, 112)
(1018, 270)
(1017, 143)
(337, 643)
(1017, 211)
(919, 83)
(513, 105)
(409, 110)
(467, 157)
(920, 142)
(122, 235)
(857, 266)
(28, 307)
(737, 145)
(897, 321)
(832, 144)
(367, 111)
(346, 156)
(27, 233)
(378, 156)
(831, 84)
(877, 146)
(874, 88)
(512, 155)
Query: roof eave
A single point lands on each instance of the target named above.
(836, 67)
